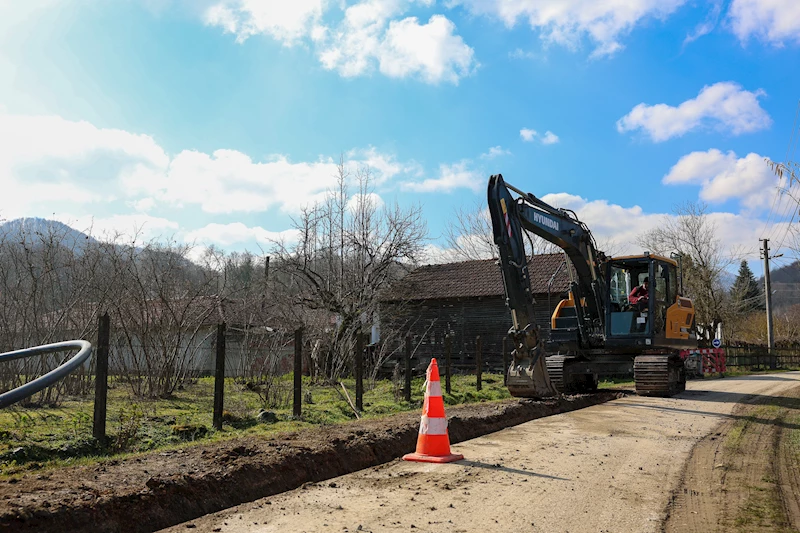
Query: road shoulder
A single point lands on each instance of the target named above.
(745, 475)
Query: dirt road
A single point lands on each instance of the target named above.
(745, 475)
(607, 468)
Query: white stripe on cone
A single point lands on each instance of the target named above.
(434, 388)
(433, 426)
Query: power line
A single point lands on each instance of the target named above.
(790, 206)
(793, 138)
(788, 226)
(739, 255)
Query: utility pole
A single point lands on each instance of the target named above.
(768, 295)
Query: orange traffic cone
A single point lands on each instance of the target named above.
(433, 443)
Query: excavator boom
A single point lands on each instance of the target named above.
(527, 376)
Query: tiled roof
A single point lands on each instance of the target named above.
(472, 279)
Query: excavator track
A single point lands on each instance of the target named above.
(567, 376)
(555, 368)
(659, 375)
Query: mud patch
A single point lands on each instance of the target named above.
(158, 490)
(744, 476)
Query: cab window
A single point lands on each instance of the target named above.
(625, 319)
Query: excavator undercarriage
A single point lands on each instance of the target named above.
(654, 374)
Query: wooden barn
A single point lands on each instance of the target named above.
(465, 300)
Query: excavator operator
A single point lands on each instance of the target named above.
(639, 294)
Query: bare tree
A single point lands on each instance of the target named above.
(470, 236)
(46, 273)
(350, 248)
(692, 234)
(163, 309)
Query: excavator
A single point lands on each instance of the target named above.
(595, 330)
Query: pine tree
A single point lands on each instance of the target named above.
(746, 293)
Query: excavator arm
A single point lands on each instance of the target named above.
(510, 217)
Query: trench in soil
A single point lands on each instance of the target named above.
(163, 489)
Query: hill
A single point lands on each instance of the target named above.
(785, 285)
(786, 274)
(36, 231)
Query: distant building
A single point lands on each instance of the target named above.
(155, 333)
(465, 300)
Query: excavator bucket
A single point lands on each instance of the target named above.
(525, 381)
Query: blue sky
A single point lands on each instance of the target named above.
(214, 121)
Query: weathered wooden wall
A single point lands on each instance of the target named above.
(464, 319)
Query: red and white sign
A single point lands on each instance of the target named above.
(713, 358)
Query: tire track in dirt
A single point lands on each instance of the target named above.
(788, 468)
(743, 476)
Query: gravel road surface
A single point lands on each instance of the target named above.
(607, 468)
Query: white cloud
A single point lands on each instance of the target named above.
(288, 22)
(519, 53)
(527, 134)
(50, 164)
(608, 222)
(28, 138)
(369, 201)
(143, 204)
(724, 176)
(370, 36)
(237, 233)
(355, 44)
(400, 48)
(431, 51)
(433, 254)
(383, 167)
(550, 138)
(772, 21)
(50, 161)
(123, 228)
(495, 151)
(567, 22)
(725, 106)
(617, 228)
(708, 25)
(451, 177)
(228, 181)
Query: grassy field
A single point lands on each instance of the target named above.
(34, 438)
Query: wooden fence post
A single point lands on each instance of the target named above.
(407, 388)
(359, 364)
(101, 379)
(298, 373)
(478, 362)
(505, 361)
(448, 352)
(219, 377)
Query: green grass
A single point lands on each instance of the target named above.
(792, 434)
(763, 509)
(616, 383)
(34, 438)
